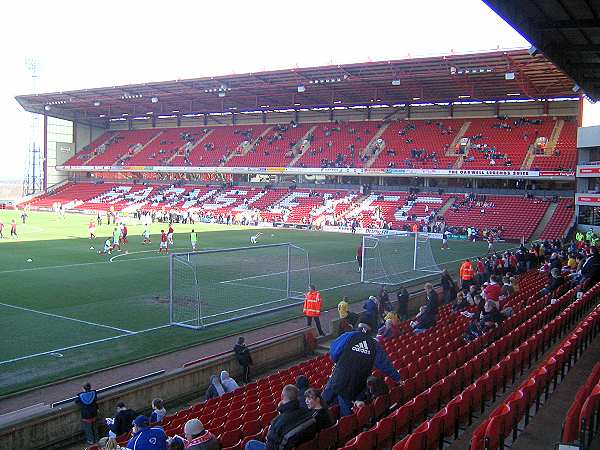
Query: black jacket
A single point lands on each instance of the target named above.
(354, 365)
(290, 416)
(242, 353)
(402, 308)
(432, 302)
(123, 422)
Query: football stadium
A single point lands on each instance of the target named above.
(393, 253)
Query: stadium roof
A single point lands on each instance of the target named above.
(566, 32)
(487, 76)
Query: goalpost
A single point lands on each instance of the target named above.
(397, 257)
(212, 287)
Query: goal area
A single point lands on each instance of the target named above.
(212, 287)
(396, 258)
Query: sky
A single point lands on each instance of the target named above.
(132, 41)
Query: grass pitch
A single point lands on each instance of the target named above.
(70, 311)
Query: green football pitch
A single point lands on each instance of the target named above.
(66, 310)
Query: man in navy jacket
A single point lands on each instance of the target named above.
(355, 353)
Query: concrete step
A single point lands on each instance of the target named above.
(544, 221)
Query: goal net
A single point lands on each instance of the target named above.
(397, 258)
(217, 286)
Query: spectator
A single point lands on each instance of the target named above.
(492, 291)
(302, 385)
(461, 302)
(383, 301)
(424, 320)
(554, 282)
(590, 270)
(107, 443)
(375, 387)
(402, 307)
(388, 330)
(146, 437)
(371, 312)
(315, 403)
(176, 443)
(432, 299)
(348, 319)
(123, 421)
(507, 288)
(228, 383)
(158, 411)
(355, 353)
(197, 438)
(293, 426)
(88, 407)
(448, 287)
(312, 308)
(491, 315)
(215, 389)
(242, 354)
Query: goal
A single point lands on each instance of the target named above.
(213, 287)
(397, 258)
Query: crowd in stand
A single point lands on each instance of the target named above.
(483, 288)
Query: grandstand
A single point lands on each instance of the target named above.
(456, 144)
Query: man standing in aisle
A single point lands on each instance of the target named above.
(355, 354)
(312, 308)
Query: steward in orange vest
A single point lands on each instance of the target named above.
(312, 308)
(467, 273)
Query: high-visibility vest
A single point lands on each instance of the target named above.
(312, 304)
(466, 272)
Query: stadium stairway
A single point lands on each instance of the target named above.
(544, 430)
(446, 206)
(548, 214)
(376, 136)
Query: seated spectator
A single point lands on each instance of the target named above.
(196, 437)
(176, 443)
(554, 282)
(375, 387)
(388, 331)
(315, 403)
(491, 315)
(158, 411)
(461, 302)
(122, 423)
(228, 383)
(507, 288)
(107, 443)
(293, 426)
(215, 388)
(424, 320)
(146, 437)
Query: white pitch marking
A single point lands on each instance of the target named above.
(58, 316)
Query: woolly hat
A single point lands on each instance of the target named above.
(193, 427)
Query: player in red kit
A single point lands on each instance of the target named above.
(163, 248)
